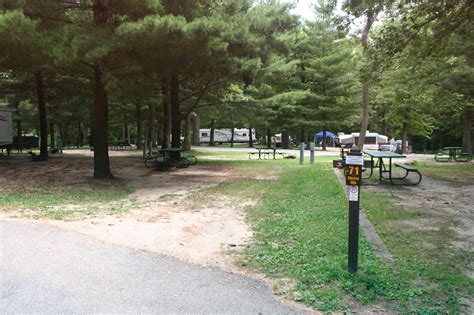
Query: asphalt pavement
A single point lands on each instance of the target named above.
(44, 269)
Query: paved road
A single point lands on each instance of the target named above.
(48, 270)
(296, 152)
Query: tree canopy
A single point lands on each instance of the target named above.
(97, 72)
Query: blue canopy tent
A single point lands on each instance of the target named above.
(319, 136)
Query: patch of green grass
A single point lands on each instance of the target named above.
(300, 229)
(446, 171)
(60, 203)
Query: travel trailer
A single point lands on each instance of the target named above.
(373, 140)
(277, 140)
(220, 136)
(6, 128)
(242, 135)
(225, 135)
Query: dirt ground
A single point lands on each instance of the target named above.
(162, 219)
(166, 215)
(443, 204)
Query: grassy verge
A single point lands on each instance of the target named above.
(68, 202)
(301, 233)
(447, 171)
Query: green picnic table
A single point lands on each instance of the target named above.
(387, 167)
(454, 154)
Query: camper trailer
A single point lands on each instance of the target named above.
(225, 135)
(373, 140)
(277, 140)
(243, 136)
(6, 128)
(220, 136)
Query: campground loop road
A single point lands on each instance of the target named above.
(44, 269)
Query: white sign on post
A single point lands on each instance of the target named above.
(354, 160)
(353, 193)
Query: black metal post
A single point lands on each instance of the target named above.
(353, 233)
(353, 170)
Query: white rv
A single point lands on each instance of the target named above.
(6, 128)
(225, 135)
(220, 135)
(373, 140)
(243, 135)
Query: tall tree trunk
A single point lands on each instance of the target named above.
(468, 136)
(61, 140)
(100, 127)
(101, 106)
(138, 116)
(196, 127)
(211, 136)
(80, 135)
(151, 126)
(365, 83)
(285, 139)
(404, 137)
(250, 137)
(166, 108)
(302, 135)
(19, 131)
(187, 133)
(126, 132)
(52, 137)
(324, 139)
(175, 112)
(232, 137)
(40, 92)
(441, 134)
(269, 138)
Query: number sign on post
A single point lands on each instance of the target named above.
(353, 171)
(354, 168)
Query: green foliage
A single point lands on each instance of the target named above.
(245, 63)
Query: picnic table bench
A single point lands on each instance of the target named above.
(387, 168)
(409, 168)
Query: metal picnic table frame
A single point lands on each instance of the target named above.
(170, 157)
(387, 167)
(265, 151)
(454, 153)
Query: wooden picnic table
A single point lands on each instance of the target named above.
(387, 167)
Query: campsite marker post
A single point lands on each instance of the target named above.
(311, 150)
(302, 147)
(353, 171)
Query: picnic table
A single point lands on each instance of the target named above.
(454, 153)
(387, 167)
(264, 153)
(168, 157)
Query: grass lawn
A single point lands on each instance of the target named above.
(301, 233)
(446, 171)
